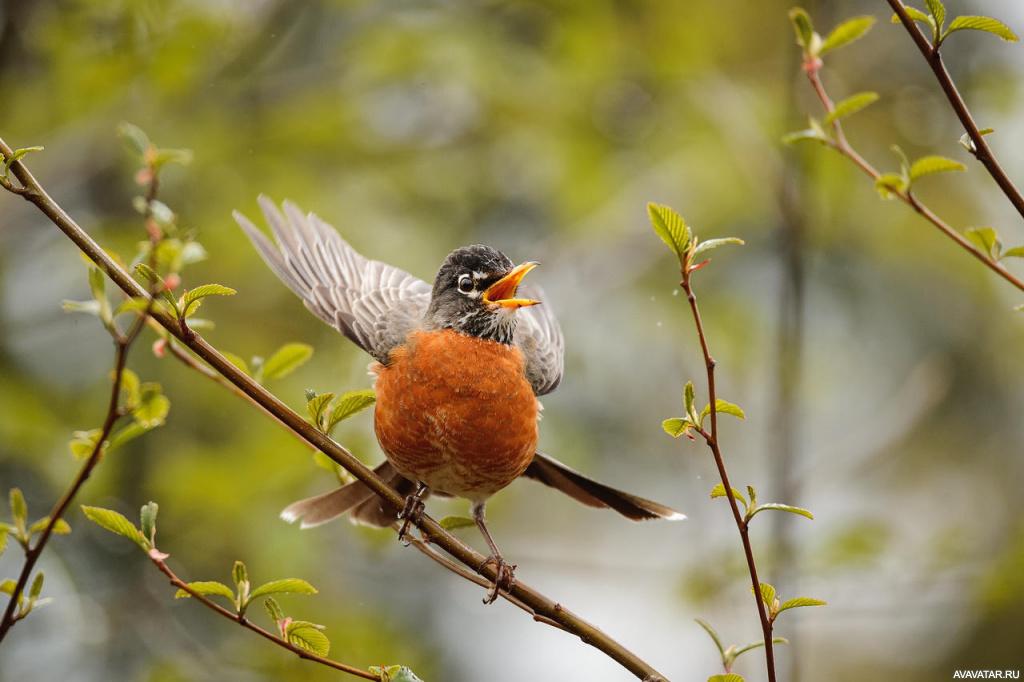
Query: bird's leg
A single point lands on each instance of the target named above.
(412, 511)
(505, 577)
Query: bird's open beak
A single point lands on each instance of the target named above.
(503, 291)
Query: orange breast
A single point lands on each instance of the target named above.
(456, 413)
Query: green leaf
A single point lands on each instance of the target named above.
(135, 140)
(59, 528)
(986, 239)
(723, 407)
(123, 435)
(190, 299)
(115, 523)
(19, 509)
(147, 520)
(165, 156)
(803, 27)
(714, 244)
(84, 443)
(800, 601)
(929, 165)
(7, 586)
(153, 406)
(306, 636)
(889, 184)
(348, 405)
(806, 134)
(193, 252)
(676, 426)
(88, 307)
(237, 361)
(712, 633)
(851, 105)
(286, 359)
(987, 24)
(1015, 252)
(16, 156)
(283, 586)
(240, 575)
(781, 507)
(130, 386)
(670, 227)
(97, 283)
(394, 673)
(967, 143)
(847, 32)
(315, 407)
(205, 587)
(719, 491)
(726, 677)
(455, 522)
(915, 14)
(5, 531)
(767, 594)
(689, 395)
(37, 587)
(937, 10)
(753, 645)
(273, 610)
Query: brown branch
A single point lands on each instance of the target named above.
(712, 441)
(246, 623)
(980, 149)
(541, 605)
(123, 344)
(841, 145)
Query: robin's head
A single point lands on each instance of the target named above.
(474, 293)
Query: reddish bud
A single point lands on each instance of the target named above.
(144, 177)
(698, 266)
(812, 65)
(156, 555)
(172, 281)
(154, 231)
(283, 625)
(160, 347)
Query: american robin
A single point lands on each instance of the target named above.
(458, 370)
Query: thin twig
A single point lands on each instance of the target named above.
(246, 623)
(841, 145)
(712, 441)
(541, 605)
(123, 344)
(980, 150)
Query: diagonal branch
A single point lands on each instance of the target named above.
(542, 606)
(980, 149)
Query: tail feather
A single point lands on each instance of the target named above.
(553, 473)
(351, 496)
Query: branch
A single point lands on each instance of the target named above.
(155, 557)
(980, 148)
(540, 604)
(841, 145)
(712, 441)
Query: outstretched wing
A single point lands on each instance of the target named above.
(540, 339)
(372, 303)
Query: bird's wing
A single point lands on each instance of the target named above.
(553, 473)
(539, 338)
(372, 303)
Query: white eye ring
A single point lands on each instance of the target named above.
(466, 284)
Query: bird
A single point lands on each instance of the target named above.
(459, 366)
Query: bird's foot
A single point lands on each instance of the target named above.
(505, 578)
(411, 513)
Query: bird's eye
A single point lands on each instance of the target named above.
(466, 284)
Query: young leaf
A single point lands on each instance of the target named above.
(937, 10)
(273, 610)
(129, 432)
(851, 105)
(726, 677)
(987, 24)
(719, 491)
(135, 140)
(847, 32)
(806, 134)
(84, 443)
(240, 575)
(1015, 252)
(316, 406)
(800, 601)
(7, 586)
(803, 27)
(287, 358)
(781, 507)
(307, 637)
(987, 239)
(767, 594)
(207, 587)
(689, 395)
(670, 227)
(348, 405)
(37, 587)
(967, 143)
(455, 522)
(283, 586)
(165, 156)
(153, 406)
(889, 184)
(714, 244)
(5, 530)
(16, 156)
(723, 407)
(915, 14)
(190, 300)
(19, 510)
(147, 519)
(237, 362)
(97, 283)
(712, 633)
(929, 165)
(676, 426)
(115, 523)
(59, 528)
(753, 645)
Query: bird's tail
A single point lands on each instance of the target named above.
(365, 506)
(553, 473)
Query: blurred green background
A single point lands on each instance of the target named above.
(879, 366)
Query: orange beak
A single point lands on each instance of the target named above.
(503, 291)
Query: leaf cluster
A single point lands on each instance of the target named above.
(812, 43)
(325, 412)
(751, 505)
(681, 426)
(771, 602)
(732, 652)
(281, 362)
(672, 230)
(935, 20)
(145, 403)
(23, 532)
